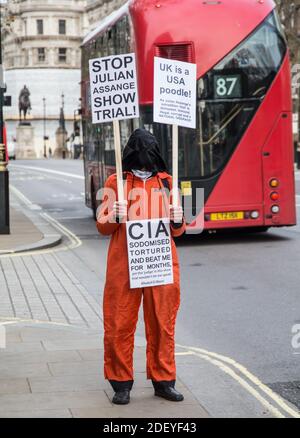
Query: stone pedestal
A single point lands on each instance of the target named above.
(61, 150)
(25, 142)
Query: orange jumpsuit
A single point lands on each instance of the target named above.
(121, 304)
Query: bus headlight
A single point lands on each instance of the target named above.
(275, 209)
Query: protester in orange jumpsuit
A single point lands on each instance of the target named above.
(145, 169)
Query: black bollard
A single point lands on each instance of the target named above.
(4, 193)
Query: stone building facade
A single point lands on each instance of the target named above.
(41, 49)
(96, 10)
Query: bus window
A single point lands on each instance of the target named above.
(111, 41)
(105, 44)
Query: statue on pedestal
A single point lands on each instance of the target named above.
(24, 102)
(61, 150)
(25, 131)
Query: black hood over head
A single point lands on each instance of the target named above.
(142, 152)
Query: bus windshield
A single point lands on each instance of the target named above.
(228, 98)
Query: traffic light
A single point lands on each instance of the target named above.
(76, 128)
(7, 101)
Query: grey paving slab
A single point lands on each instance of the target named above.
(15, 370)
(83, 382)
(52, 333)
(76, 344)
(14, 386)
(75, 368)
(135, 410)
(12, 338)
(91, 355)
(53, 401)
(42, 357)
(22, 347)
(63, 413)
(104, 412)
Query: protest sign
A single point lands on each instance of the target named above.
(114, 97)
(149, 253)
(175, 85)
(113, 83)
(174, 92)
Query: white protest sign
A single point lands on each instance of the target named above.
(149, 253)
(175, 85)
(114, 94)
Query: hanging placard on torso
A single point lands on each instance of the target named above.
(149, 253)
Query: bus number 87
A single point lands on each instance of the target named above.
(227, 86)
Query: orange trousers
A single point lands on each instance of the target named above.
(121, 308)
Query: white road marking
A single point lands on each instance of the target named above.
(20, 195)
(41, 169)
(219, 361)
(69, 218)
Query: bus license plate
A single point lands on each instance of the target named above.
(229, 216)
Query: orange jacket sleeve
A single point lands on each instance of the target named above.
(176, 229)
(105, 222)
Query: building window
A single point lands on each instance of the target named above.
(62, 27)
(41, 54)
(40, 27)
(62, 55)
(25, 57)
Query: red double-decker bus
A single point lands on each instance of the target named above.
(241, 153)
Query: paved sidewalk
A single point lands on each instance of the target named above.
(40, 287)
(55, 371)
(52, 365)
(27, 233)
(23, 232)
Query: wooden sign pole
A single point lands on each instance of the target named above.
(175, 166)
(117, 139)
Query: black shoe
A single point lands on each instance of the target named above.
(121, 397)
(169, 393)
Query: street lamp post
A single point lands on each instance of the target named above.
(4, 176)
(45, 138)
(64, 128)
